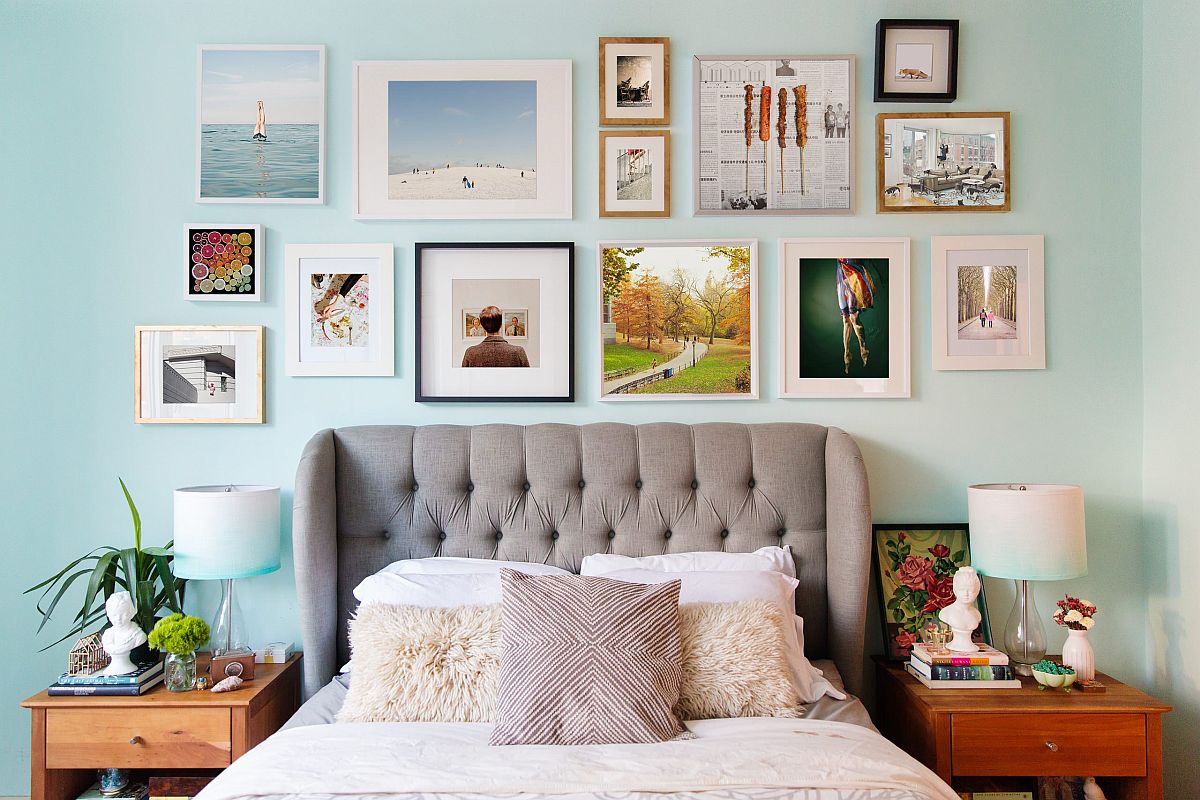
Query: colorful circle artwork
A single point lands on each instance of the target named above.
(221, 262)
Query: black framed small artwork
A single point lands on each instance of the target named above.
(495, 322)
(916, 60)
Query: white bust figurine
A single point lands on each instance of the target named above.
(961, 615)
(121, 639)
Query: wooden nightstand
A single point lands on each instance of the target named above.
(165, 731)
(1003, 739)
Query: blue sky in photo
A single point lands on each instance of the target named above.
(432, 123)
(289, 82)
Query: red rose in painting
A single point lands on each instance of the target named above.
(915, 572)
(905, 640)
(901, 536)
(940, 551)
(941, 593)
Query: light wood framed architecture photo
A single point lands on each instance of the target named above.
(635, 173)
(943, 161)
(198, 373)
(635, 76)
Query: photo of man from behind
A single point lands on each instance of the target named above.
(494, 350)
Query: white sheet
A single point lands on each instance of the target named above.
(393, 759)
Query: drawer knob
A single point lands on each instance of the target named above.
(136, 740)
(1052, 747)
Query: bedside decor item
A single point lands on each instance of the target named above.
(916, 61)
(228, 684)
(111, 780)
(240, 664)
(225, 533)
(914, 568)
(122, 636)
(1054, 676)
(224, 262)
(203, 682)
(179, 636)
(198, 373)
(147, 569)
(339, 309)
(635, 173)
(274, 653)
(989, 302)
(635, 79)
(462, 139)
(853, 341)
(946, 162)
(1027, 532)
(961, 615)
(1077, 617)
(260, 123)
(495, 322)
(87, 656)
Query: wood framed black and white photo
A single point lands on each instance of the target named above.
(635, 74)
(462, 139)
(635, 173)
(495, 322)
(198, 373)
(989, 303)
(339, 306)
(916, 61)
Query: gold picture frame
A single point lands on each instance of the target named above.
(236, 411)
(656, 175)
(642, 104)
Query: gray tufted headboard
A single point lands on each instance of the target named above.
(368, 496)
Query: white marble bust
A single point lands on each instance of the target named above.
(961, 615)
(121, 639)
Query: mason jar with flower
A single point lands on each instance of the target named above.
(179, 636)
(1078, 617)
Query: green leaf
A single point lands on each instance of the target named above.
(66, 584)
(137, 519)
(958, 557)
(66, 569)
(167, 595)
(103, 567)
(158, 551)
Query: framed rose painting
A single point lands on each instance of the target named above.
(914, 568)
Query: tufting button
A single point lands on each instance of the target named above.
(752, 483)
(554, 535)
(781, 532)
(470, 487)
(725, 534)
(581, 484)
(667, 535)
(442, 535)
(415, 487)
(385, 533)
(525, 486)
(695, 484)
(638, 483)
(499, 536)
(612, 534)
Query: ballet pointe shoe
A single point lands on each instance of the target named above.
(847, 362)
(864, 353)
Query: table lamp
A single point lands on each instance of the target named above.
(224, 533)
(1027, 532)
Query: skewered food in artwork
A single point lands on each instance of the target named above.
(764, 114)
(749, 129)
(782, 138)
(801, 93)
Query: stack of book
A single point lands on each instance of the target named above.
(133, 684)
(987, 668)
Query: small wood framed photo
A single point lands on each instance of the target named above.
(495, 322)
(634, 80)
(916, 61)
(635, 173)
(224, 262)
(198, 373)
(989, 303)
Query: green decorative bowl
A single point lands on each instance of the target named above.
(1054, 680)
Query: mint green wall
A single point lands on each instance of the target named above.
(98, 142)
(1170, 279)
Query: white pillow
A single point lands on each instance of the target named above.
(764, 559)
(453, 565)
(429, 591)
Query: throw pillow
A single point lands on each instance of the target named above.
(587, 660)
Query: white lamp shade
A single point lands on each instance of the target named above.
(224, 532)
(1027, 531)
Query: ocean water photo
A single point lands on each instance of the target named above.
(286, 165)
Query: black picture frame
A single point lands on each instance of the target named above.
(881, 33)
(419, 250)
(982, 634)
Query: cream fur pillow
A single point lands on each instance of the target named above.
(734, 664)
(423, 664)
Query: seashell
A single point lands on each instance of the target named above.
(229, 684)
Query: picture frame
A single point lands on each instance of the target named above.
(1002, 277)
(913, 570)
(635, 173)
(744, 171)
(711, 352)
(224, 261)
(834, 344)
(887, 152)
(947, 162)
(339, 309)
(916, 60)
(635, 78)
(196, 374)
(240, 87)
(506, 139)
(492, 277)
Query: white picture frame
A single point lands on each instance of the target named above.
(822, 381)
(289, 102)
(1026, 348)
(255, 260)
(182, 373)
(503, 190)
(609, 388)
(307, 353)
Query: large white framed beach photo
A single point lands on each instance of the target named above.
(260, 123)
(340, 309)
(462, 139)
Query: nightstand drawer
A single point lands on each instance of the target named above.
(137, 737)
(1048, 744)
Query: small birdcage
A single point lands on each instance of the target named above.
(87, 656)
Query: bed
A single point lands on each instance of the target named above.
(369, 496)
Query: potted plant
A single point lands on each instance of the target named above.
(144, 572)
(179, 636)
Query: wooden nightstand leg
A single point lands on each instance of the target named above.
(51, 784)
(240, 733)
(1154, 775)
(945, 765)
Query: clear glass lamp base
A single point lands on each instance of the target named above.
(228, 634)
(1024, 635)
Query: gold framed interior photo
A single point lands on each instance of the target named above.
(198, 373)
(635, 173)
(635, 80)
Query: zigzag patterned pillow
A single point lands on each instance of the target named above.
(587, 660)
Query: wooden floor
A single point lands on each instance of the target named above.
(893, 200)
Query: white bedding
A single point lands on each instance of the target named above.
(754, 757)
